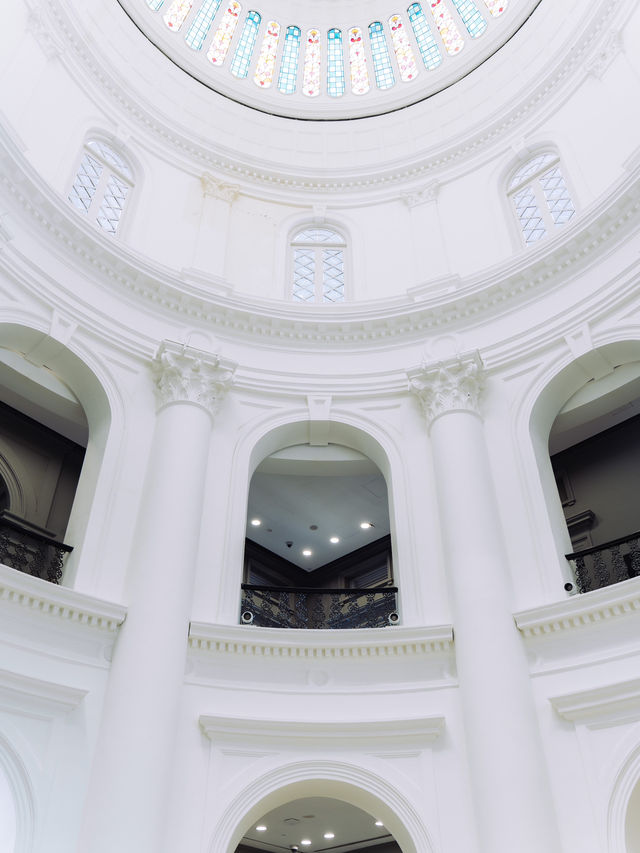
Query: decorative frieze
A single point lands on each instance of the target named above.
(184, 374)
(448, 386)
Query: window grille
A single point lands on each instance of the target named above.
(318, 266)
(540, 197)
(101, 185)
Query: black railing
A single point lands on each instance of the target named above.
(300, 607)
(607, 564)
(30, 552)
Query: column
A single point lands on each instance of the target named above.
(131, 775)
(514, 809)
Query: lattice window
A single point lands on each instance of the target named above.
(101, 185)
(199, 29)
(154, 5)
(318, 265)
(242, 56)
(288, 77)
(335, 64)
(424, 37)
(382, 67)
(540, 196)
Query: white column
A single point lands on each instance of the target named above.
(514, 809)
(131, 775)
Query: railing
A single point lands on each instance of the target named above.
(30, 552)
(299, 607)
(606, 564)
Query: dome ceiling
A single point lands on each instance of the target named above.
(325, 61)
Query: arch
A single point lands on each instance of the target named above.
(355, 785)
(15, 771)
(626, 783)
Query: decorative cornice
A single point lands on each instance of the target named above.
(218, 189)
(57, 602)
(183, 374)
(448, 386)
(248, 640)
(610, 704)
(592, 608)
(381, 733)
(25, 690)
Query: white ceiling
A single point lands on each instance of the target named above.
(310, 818)
(332, 488)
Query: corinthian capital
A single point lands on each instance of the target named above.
(184, 374)
(449, 386)
(217, 189)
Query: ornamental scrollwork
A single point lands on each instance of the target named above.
(183, 374)
(448, 386)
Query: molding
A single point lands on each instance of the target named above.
(381, 733)
(183, 374)
(591, 608)
(20, 687)
(215, 188)
(454, 385)
(423, 196)
(610, 704)
(611, 47)
(58, 602)
(248, 640)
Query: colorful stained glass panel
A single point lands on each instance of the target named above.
(402, 48)
(449, 33)
(266, 64)
(380, 53)
(311, 74)
(221, 40)
(176, 13)
(199, 29)
(471, 17)
(288, 77)
(242, 56)
(496, 7)
(335, 64)
(154, 5)
(426, 42)
(358, 63)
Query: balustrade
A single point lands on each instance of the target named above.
(300, 607)
(607, 564)
(28, 551)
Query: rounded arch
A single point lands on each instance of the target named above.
(625, 789)
(20, 788)
(355, 785)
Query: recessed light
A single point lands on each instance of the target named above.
(306, 842)
(334, 540)
(256, 522)
(307, 552)
(328, 835)
(261, 828)
(379, 823)
(365, 525)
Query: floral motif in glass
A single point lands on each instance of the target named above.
(380, 53)
(199, 29)
(288, 77)
(426, 42)
(496, 7)
(242, 56)
(311, 74)
(449, 33)
(358, 63)
(176, 13)
(221, 40)
(335, 64)
(402, 48)
(471, 17)
(266, 64)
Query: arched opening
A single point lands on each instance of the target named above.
(8, 818)
(318, 541)
(318, 824)
(594, 447)
(632, 822)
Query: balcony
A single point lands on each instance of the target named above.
(306, 607)
(606, 564)
(24, 547)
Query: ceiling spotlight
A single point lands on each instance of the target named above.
(328, 835)
(261, 828)
(365, 525)
(256, 522)
(307, 552)
(379, 823)
(334, 540)
(306, 842)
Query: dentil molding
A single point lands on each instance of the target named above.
(184, 374)
(454, 385)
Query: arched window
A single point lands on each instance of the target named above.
(540, 196)
(318, 265)
(101, 185)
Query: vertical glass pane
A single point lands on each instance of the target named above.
(358, 63)
(112, 205)
(221, 40)
(471, 17)
(530, 168)
(303, 275)
(266, 64)
(199, 29)
(381, 61)
(288, 77)
(154, 5)
(85, 184)
(335, 64)
(557, 196)
(332, 275)
(311, 75)
(449, 33)
(176, 13)
(529, 215)
(110, 157)
(426, 42)
(242, 56)
(402, 47)
(496, 7)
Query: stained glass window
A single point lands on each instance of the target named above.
(221, 40)
(311, 74)
(288, 77)
(101, 185)
(154, 5)
(471, 17)
(335, 64)
(318, 265)
(176, 13)
(242, 56)
(380, 53)
(426, 42)
(199, 29)
(266, 64)
(540, 196)
(496, 7)
(449, 33)
(402, 47)
(358, 63)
